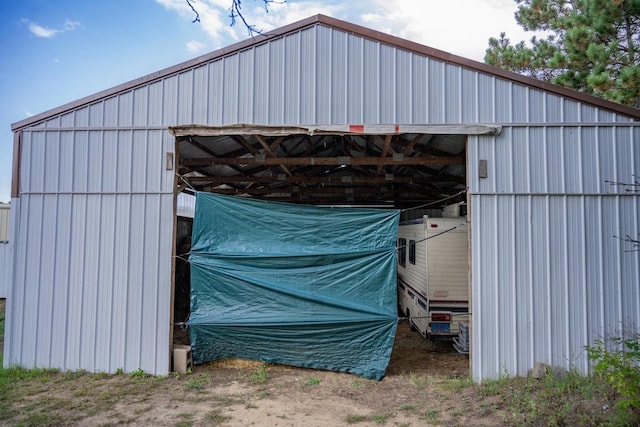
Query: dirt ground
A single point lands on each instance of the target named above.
(425, 384)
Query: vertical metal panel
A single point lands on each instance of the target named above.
(548, 275)
(503, 101)
(420, 84)
(4, 221)
(404, 95)
(249, 78)
(486, 99)
(435, 94)
(323, 92)
(5, 264)
(185, 97)
(340, 60)
(125, 109)
(274, 63)
(387, 98)
(140, 102)
(93, 256)
(230, 86)
(355, 81)
(307, 88)
(371, 81)
(292, 65)
(110, 113)
(469, 94)
(216, 89)
(453, 98)
(199, 95)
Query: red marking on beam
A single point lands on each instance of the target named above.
(356, 128)
(397, 129)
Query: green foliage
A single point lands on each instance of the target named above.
(313, 381)
(619, 365)
(138, 373)
(260, 376)
(590, 45)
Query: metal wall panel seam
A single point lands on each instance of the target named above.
(585, 290)
(54, 298)
(496, 293)
(13, 248)
(547, 313)
(567, 302)
(23, 261)
(532, 341)
(514, 289)
(620, 308)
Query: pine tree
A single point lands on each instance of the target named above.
(591, 45)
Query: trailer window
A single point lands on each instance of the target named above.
(412, 252)
(402, 252)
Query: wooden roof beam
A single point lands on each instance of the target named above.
(324, 161)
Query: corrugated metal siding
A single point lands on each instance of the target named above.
(103, 259)
(321, 75)
(93, 250)
(5, 264)
(4, 222)
(548, 274)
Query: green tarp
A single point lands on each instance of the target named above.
(293, 284)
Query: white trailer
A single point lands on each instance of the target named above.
(433, 284)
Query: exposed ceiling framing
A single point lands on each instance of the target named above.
(325, 167)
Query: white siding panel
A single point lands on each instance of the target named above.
(140, 106)
(387, 84)
(307, 88)
(5, 264)
(355, 81)
(4, 221)
(404, 95)
(274, 62)
(92, 277)
(230, 92)
(435, 95)
(292, 66)
(469, 87)
(339, 63)
(371, 76)
(324, 78)
(548, 274)
(453, 98)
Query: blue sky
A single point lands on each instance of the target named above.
(54, 52)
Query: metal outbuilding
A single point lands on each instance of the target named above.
(325, 112)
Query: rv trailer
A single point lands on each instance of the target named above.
(433, 289)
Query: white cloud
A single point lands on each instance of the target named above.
(70, 25)
(281, 14)
(40, 31)
(195, 46)
(462, 27)
(213, 16)
(44, 32)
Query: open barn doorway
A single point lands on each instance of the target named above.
(416, 169)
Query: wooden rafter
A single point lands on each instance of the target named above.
(326, 179)
(325, 161)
